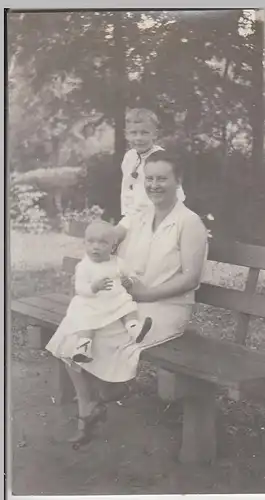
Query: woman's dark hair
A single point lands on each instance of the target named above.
(170, 157)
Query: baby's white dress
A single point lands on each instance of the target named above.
(91, 311)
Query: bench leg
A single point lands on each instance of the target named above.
(64, 388)
(36, 337)
(199, 433)
(166, 385)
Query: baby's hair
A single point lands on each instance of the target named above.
(173, 158)
(138, 115)
(102, 224)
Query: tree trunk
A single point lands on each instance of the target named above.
(257, 115)
(255, 200)
(225, 221)
(224, 124)
(119, 64)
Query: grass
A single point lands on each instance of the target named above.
(42, 251)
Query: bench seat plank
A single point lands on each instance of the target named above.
(216, 361)
(59, 297)
(40, 315)
(212, 360)
(47, 303)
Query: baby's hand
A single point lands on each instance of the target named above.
(103, 284)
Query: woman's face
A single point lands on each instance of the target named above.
(160, 183)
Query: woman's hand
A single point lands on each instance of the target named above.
(127, 283)
(140, 292)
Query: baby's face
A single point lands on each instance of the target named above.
(99, 243)
(141, 136)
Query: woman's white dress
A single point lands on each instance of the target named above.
(155, 257)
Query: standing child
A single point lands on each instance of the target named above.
(100, 298)
(141, 134)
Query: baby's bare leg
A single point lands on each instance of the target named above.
(85, 334)
(132, 316)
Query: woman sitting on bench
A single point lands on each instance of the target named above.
(166, 245)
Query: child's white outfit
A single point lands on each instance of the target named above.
(91, 311)
(133, 195)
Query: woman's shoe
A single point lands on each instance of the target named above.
(98, 414)
(85, 435)
(82, 436)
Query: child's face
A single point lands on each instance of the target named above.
(141, 136)
(99, 243)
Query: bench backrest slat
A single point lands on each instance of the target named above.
(252, 280)
(237, 254)
(69, 264)
(246, 303)
(244, 319)
(234, 300)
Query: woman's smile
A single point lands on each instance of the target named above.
(160, 182)
(156, 193)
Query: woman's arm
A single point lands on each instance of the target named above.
(120, 233)
(193, 247)
(121, 230)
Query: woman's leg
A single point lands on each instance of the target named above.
(84, 391)
(91, 391)
(112, 391)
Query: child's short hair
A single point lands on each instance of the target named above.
(103, 225)
(138, 115)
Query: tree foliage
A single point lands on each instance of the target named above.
(202, 75)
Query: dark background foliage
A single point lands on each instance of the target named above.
(201, 72)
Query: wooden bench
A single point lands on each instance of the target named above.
(191, 367)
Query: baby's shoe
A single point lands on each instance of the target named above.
(146, 326)
(83, 351)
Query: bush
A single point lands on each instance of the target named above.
(86, 215)
(99, 185)
(75, 222)
(25, 212)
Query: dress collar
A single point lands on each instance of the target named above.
(170, 219)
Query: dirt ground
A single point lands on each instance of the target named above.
(136, 450)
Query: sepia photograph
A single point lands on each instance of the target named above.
(136, 172)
